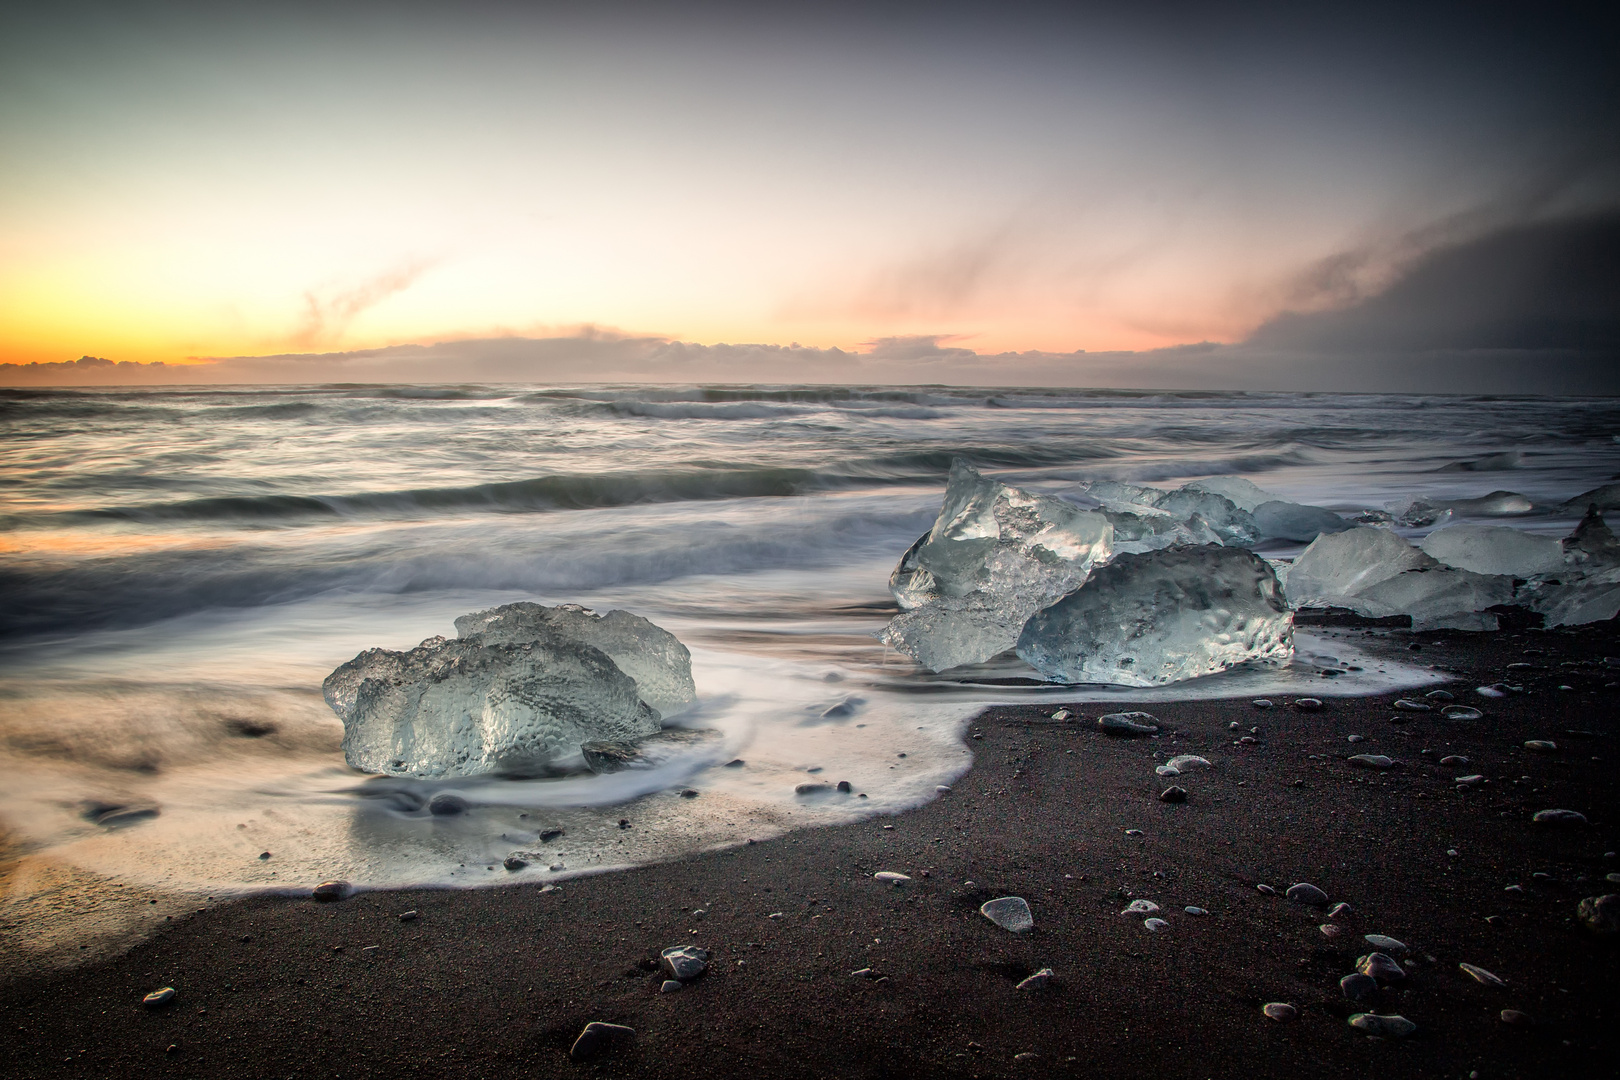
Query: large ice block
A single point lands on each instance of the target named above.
(1495, 549)
(1376, 573)
(466, 707)
(1160, 617)
(1279, 520)
(995, 555)
(1244, 494)
(1593, 543)
(649, 654)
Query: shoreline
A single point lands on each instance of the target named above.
(503, 978)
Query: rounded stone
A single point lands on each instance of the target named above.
(1280, 1011)
(684, 961)
(1128, 723)
(1306, 893)
(845, 786)
(514, 862)
(596, 1037)
(1481, 976)
(1155, 925)
(1038, 980)
(1384, 943)
(328, 891)
(445, 804)
(1173, 794)
(159, 997)
(890, 877)
(1381, 967)
(1358, 987)
(1541, 746)
(1261, 703)
(1194, 910)
(1559, 818)
(1141, 907)
(669, 986)
(1372, 761)
(1308, 704)
(1600, 914)
(1461, 712)
(1010, 913)
(1340, 910)
(1517, 1018)
(1389, 1027)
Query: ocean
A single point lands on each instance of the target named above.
(181, 568)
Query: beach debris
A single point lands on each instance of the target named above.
(1155, 925)
(1481, 976)
(1261, 703)
(995, 555)
(1141, 907)
(596, 1037)
(1515, 1018)
(1495, 549)
(1010, 913)
(1389, 1027)
(1161, 617)
(1173, 794)
(684, 962)
(1454, 760)
(1128, 723)
(1265, 890)
(536, 701)
(1408, 705)
(669, 986)
(159, 997)
(1491, 691)
(1384, 943)
(1331, 930)
(1038, 980)
(1193, 910)
(1558, 818)
(1380, 966)
(1306, 893)
(1541, 746)
(410, 916)
(1371, 761)
(1182, 763)
(1377, 573)
(1061, 714)
(1355, 738)
(889, 877)
(1600, 914)
(328, 891)
(1340, 910)
(516, 861)
(1358, 987)
(1308, 704)
(1280, 1011)
(445, 804)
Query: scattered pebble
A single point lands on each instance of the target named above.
(669, 986)
(445, 804)
(263, 855)
(1307, 704)
(1194, 910)
(1306, 893)
(684, 961)
(159, 997)
(1266, 889)
(1481, 976)
(735, 763)
(1187, 762)
(1355, 738)
(1600, 914)
(1408, 705)
(1381, 967)
(1141, 907)
(941, 789)
(689, 793)
(811, 788)
(1541, 746)
(1385, 944)
(1331, 931)
(1061, 714)
(1133, 832)
(1280, 1011)
(1490, 691)
(1358, 987)
(1128, 723)
(1038, 980)
(1339, 910)
(1155, 925)
(845, 786)
(1173, 794)
(1372, 761)
(1471, 780)
(1559, 817)
(408, 916)
(1010, 913)
(548, 835)
(1261, 703)
(328, 891)
(514, 862)
(596, 1037)
(891, 877)
(1453, 760)
(1440, 695)
(1517, 1018)
(1461, 712)
(1390, 1027)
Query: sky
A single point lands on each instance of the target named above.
(1214, 194)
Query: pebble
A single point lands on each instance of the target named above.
(811, 788)
(1461, 712)
(1600, 914)
(735, 763)
(1194, 910)
(940, 789)
(1027, 1055)
(547, 835)
(159, 997)
(1517, 1018)
(1541, 746)
(689, 793)
(1141, 907)
(1490, 692)
(263, 855)
(891, 876)
(1038, 980)
(1372, 761)
(408, 916)
(1355, 738)
(1454, 760)
(1379, 966)
(845, 787)
(1558, 817)
(1128, 723)
(1010, 913)
(1330, 930)
(861, 973)
(1307, 704)
(1481, 976)
(1184, 762)
(1133, 832)
(1440, 695)
(1408, 705)
(1306, 893)
(1471, 780)
(669, 986)
(1390, 1027)
(684, 961)
(1340, 910)
(1265, 889)
(1261, 703)
(1061, 714)
(1173, 794)
(1358, 987)
(514, 862)
(1233, 726)
(1280, 1011)
(445, 804)
(596, 1037)
(1385, 944)
(328, 891)
(1155, 925)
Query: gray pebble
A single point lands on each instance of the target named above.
(1261, 703)
(1385, 944)
(1408, 705)
(669, 986)
(1280, 1011)
(1516, 1018)
(1461, 712)
(1141, 907)
(1038, 980)
(1173, 794)
(596, 1037)
(1339, 910)
(514, 861)
(1600, 914)
(1372, 761)
(1155, 925)
(1541, 746)
(1266, 889)
(811, 789)
(1307, 704)
(408, 916)
(159, 997)
(1128, 723)
(1195, 910)
(1355, 738)
(1010, 913)
(1481, 976)
(327, 891)
(1559, 817)
(1453, 760)
(684, 961)
(891, 877)
(845, 787)
(1380, 967)
(1358, 987)
(1441, 695)
(1306, 893)
(1389, 1027)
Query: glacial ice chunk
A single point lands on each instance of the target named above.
(465, 707)
(1588, 590)
(1376, 573)
(1495, 549)
(649, 654)
(1606, 497)
(1159, 512)
(1592, 542)
(1279, 520)
(1244, 494)
(1225, 518)
(995, 555)
(1160, 617)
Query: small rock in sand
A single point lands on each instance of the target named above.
(1306, 893)
(1600, 914)
(1490, 691)
(890, 877)
(1141, 907)
(1389, 1027)
(1265, 890)
(1261, 703)
(1280, 1011)
(1441, 695)
(515, 861)
(1516, 1018)
(684, 961)
(1173, 794)
(1408, 705)
(1372, 761)
(735, 763)
(327, 891)
(1307, 704)
(1331, 931)
(669, 986)
(1358, 987)
(1461, 712)
(1128, 723)
(1010, 913)
(1380, 967)
(1564, 818)
(1194, 910)
(1061, 714)
(1453, 760)
(1340, 910)
(845, 786)
(596, 1037)
(1155, 925)
(159, 997)
(408, 916)
(1038, 980)
(1541, 746)
(1355, 738)
(812, 789)
(1481, 976)
(1385, 944)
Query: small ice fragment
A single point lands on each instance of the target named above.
(1376, 573)
(1010, 913)
(1279, 520)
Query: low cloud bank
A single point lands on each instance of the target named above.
(1534, 308)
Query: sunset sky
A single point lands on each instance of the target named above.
(186, 182)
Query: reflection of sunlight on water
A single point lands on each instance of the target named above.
(217, 723)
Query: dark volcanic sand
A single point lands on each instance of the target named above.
(498, 982)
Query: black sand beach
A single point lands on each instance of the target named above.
(500, 981)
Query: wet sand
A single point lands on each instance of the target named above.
(500, 981)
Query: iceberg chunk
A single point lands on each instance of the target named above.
(649, 654)
(466, 707)
(1495, 549)
(1218, 513)
(1592, 541)
(1243, 494)
(1606, 497)
(1279, 520)
(995, 555)
(1160, 617)
(1376, 573)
